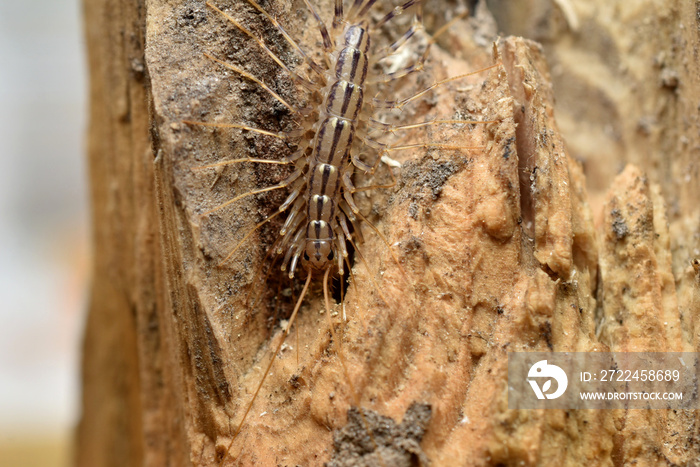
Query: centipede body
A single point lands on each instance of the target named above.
(221, 229)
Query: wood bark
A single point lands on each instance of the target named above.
(488, 250)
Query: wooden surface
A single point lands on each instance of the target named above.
(498, 248)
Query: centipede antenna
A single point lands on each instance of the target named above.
(284, 184)
(353, 393)
(298, 305)
(269, 366)
(293, 109)
(304, 81)
(309, 61)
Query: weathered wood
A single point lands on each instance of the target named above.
(126, 258)
(497, 248)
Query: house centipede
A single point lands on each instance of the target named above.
(323, 216)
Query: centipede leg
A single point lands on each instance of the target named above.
(392, 104)
(337, 15)
(297, 78)
(285, 183)
(307, 60)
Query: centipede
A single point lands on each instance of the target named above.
(328, 106)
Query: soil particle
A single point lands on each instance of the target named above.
(390, 444)
(619, 225)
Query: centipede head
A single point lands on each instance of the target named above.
(318, 255)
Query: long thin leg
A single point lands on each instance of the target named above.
(389, 104)
(294, 218)
(381, 187)
(309, 61)
(353, 9)
(295, 156)
(372, 144)
(293, 109)
(337, 15)
(433, 145)
(295, 258)
(260, 224)
(287, 242)
(389, 128)
(279, 135)
(365, 9)
(357, 161)
(238, 161)
(297, 173)
(352, 189)
(347, 192)
(420, 63)
(279, 211)
(269, 366)
(327, 44)
(292, 252)
(303, 80)
(416, 26)
(395, 12)
(340, 244)
(350, 215)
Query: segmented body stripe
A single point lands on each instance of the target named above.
(322, 212)
(331, 151)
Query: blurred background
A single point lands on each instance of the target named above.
(43, 228)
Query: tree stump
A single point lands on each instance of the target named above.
(485, 251)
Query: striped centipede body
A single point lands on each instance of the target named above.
(333, 129)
